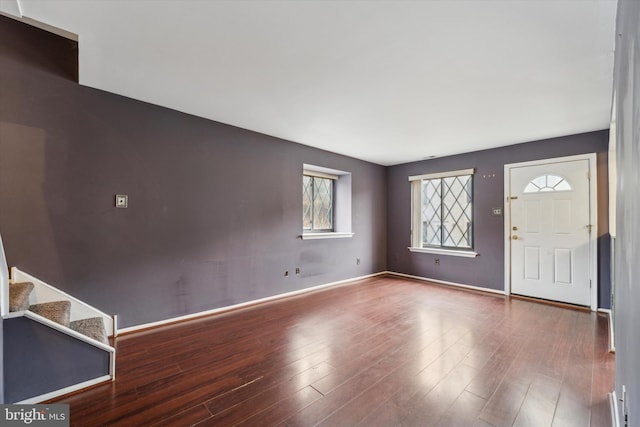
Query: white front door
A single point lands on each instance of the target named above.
(550, 231)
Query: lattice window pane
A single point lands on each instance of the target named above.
(317, 203)
(457, 212)
(323, 204)
(431, 219)
(307, 197)
(447, 212)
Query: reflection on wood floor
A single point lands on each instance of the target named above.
(381, 352)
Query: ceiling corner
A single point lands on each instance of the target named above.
(11, 7)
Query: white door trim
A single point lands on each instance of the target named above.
(593, 213)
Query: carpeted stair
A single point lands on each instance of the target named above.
(19, 296)
(92, 327)
(56, 311)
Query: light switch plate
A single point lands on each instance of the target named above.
(122, 201)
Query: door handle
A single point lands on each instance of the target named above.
(514, 237)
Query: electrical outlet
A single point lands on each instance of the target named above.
(437, 261)
(297, 270)
(286, 273)
(357, 261)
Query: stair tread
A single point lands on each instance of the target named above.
(92, 327)
(57, 311)
(19, 296)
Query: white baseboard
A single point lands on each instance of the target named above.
(612, 342)
(66, 390)
(444, 282)
(242, 305)
(615, 415)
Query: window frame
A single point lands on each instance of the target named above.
(342, 203)
(417, 244)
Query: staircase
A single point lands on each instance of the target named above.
(56, 311)
(53, 343)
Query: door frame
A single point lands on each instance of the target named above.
(593, 213)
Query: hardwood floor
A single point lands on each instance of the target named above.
(382, 352)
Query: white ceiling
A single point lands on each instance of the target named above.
(384, 81)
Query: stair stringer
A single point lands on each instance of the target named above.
(43, 292)
(64, 329)
(4, 282)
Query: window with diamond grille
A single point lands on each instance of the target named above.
(317, 203)
(443, 211)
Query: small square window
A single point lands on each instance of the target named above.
(326, 203)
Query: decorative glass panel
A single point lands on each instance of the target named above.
(307, 197)
(431, 220)
(447, 212)
(317, 203)
(323, 204)
(547, 183)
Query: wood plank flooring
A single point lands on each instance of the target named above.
(381, 352)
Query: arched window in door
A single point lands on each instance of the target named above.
(547, 183)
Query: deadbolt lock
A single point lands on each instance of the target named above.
(514, 228)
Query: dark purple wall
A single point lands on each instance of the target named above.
(214, 211)
(627, 243)
(41, 359)
(487, 270)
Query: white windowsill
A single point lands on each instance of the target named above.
(452, 252)
(331, 235)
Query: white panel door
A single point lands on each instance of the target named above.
(550, 232)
